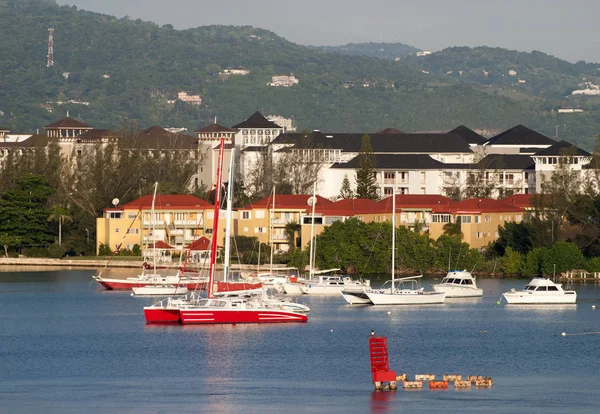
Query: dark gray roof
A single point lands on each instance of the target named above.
(469, 135)
(563, 148)
(404, 161)
(520, 135)
(257, 120)
(254, 148)
(530, 150)
(381, 143)
(506, 162)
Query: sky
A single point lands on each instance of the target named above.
(568, 29)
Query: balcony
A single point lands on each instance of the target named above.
(188, 223)
(154, 223)
(176, 232)
(281, 221)
(279, 237)
(389, 180)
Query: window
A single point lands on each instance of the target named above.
(245, 215)
(463, 219)
(133, 231)
(526, 176)
(552, 288)
(477, 219)
(479, 235)
(518, 218)
(246, 229)
(208, 231)
(422, 177)
(131, 216)
(115, 215)
(388, 190)
(496, 234)
(117, 230)
(440, 218)
(487, 218)
(389, 175)
(259, 214)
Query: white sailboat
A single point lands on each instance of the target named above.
(406, 290)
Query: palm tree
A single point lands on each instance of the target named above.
(453, 230)
(60, 214)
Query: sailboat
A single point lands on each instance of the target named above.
(403, 291)
(225, 310)
(177, 283)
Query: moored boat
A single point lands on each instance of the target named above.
(458, 284)
(160, 290)
(404, 291)
(540, 290)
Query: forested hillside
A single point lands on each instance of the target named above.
(118, 71)
(391, 51)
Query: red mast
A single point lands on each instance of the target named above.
(213, 246)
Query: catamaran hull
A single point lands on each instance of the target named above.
(406, 299)
(125, 284)
(199, 316)
(162, 315)
(518, 298)
(458, 292)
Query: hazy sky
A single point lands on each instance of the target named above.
(569, 29)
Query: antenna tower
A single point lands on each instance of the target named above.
(50, 48)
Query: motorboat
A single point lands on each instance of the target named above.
(458, 284)
(356, 297)
(332, 285)
(540, 290)
(404, 291)
(160, 290)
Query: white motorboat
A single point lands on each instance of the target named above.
(332, 285)
(458, 284)
(404, 291)
(540, 291)
(160, 290)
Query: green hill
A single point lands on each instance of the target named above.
(390, 51)
(127, 71)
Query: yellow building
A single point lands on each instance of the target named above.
(266, 220)
(479, 219)
(178, 220)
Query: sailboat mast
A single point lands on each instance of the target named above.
(393, 235)
(226, 264)
(312, 232)
(213, 246)
(154, 228)
(272, 216)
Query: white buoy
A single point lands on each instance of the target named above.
(563, 334)
(131, 294)
(593, 306)
(389, 313)
(332, 330)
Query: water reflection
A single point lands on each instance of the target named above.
(383, 401)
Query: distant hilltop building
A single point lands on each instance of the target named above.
(424, 53)
(238, 71)
(590, 89)
(512, 72)
(187, 98)
(286, 123)
(175, 130)
(569, 110)
(283, 80)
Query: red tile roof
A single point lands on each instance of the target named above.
(67, 123)
(520, 200)
(168, 202)
(413, 201)
(160, 245)
(347, 207)
(287, 201)
(202, 243)
(483, 205)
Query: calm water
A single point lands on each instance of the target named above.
(67, 346)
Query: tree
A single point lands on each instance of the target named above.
(517, 236)
(512, 262)
(23, 209)
(481, 183)
(60, 214)
(346, 190)
(366, 181)
(565, 256)
(453, 230)
(7, 241)
(291, 229)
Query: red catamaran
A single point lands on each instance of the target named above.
(226, 310)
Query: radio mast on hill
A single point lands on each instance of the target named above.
(50, 48)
